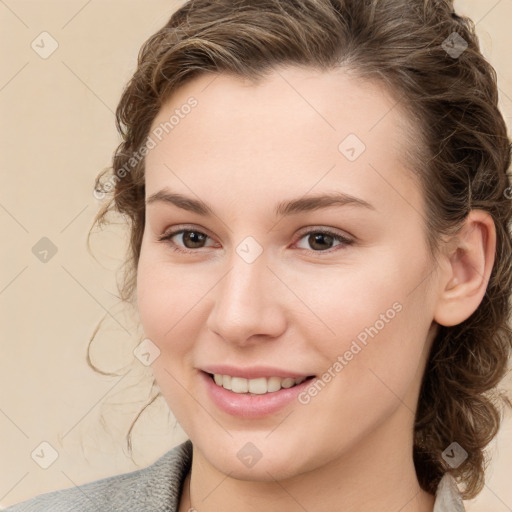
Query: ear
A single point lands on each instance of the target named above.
(466, 267)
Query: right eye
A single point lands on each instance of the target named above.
(191, 237)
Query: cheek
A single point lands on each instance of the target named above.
(162, 298)
(172, 305)
(351, 303)
(378, 321)
(152, 300)
(371, 366)
(165, 305)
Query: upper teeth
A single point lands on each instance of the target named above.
(258, 386)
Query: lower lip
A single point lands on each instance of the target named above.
(249, 406)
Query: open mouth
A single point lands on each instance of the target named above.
(258, 386)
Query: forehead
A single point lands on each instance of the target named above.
(294, 131)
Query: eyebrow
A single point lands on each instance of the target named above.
(287, 207)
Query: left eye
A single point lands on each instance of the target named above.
(316, 238)
(320, 238)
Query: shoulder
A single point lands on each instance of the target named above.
(154, 488)
(448, 497)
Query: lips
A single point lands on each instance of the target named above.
(243, 403)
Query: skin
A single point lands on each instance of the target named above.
(243, 149)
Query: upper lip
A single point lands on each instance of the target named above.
(252, 372)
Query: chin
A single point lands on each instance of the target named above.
(256, 457)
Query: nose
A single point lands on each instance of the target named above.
(248, 303)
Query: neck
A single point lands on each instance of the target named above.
(374, 475)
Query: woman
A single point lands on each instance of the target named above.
(317, 194)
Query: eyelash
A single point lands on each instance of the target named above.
(166, 238)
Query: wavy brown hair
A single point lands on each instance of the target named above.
(461, 161)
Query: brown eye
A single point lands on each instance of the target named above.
(322, 240)
(191, 239)
(194, 238)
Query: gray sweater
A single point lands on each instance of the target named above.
(157, 488)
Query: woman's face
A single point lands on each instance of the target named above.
(255, 292)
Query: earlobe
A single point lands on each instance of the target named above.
(467, 266)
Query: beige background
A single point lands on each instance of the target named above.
(57, 132)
